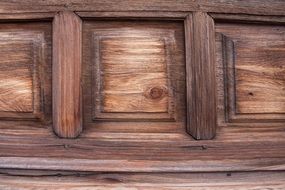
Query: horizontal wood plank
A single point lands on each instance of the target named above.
(58, 180)
(263, 7)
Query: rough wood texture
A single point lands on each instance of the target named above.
(24, 51)
(134, 75)
(263, 7)
(135, 148)
(144, 146)
(254, 71)
(200, 76)
(137, 72)
(57, 180)
(67, 116)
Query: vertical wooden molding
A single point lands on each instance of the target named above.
(67, 40)
(200, 76)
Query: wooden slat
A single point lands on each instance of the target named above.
(200, 76)
(263, 7)
(58, 180)
(66, 75)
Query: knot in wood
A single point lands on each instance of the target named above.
(156, 92)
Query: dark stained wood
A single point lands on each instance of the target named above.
(67, 116)
(58, 180)
(200, 76)
(245, 18)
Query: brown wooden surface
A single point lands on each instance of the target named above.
(57, 180)
(134, 72)
(200, 73)
(67, 116)
(146, 146)
(262, 7)
(24, 86)
(254, 71)
(132, 149)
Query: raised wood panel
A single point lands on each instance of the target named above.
(254, 72)
(136, 70)
(24, 48)
(134, 75)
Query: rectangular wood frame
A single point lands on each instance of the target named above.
(264, 150)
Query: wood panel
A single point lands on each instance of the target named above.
(200, 73)
(253, 61)
(134, 75)
(58, 180)
(67, 116)
(24, 50)
(262, 7)
(134, 71)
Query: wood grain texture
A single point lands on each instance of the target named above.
(200, 76)
(23, 85)
(136, 148)
(134, 75)
(137, 71)
(16, 77)
(262, 7)
(58, 180)
(67, 116)
(254, 62)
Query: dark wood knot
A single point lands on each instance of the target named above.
(156, 93)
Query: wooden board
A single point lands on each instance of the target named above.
(24, 87)
(66, 83)
(200, 76)
(261, 7)
(58, 180)
(136, 71)
(254, 71)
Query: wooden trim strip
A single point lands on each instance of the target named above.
(66, 85)
(27, 16)
(38, 179)
(248, 18)
(210, 165)
(200, 76)
(134, 15)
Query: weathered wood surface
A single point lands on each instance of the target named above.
(130, 67)
(109, 148)
(254, 71)
(200, 76)
(266, 7)
(25, 70)
(57, 180)
(66, 82)
(134, 71)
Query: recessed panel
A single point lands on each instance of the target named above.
(24, 70)
(134, 71)
(16, 71)
(253, 57)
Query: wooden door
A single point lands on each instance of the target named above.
(143, 95)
